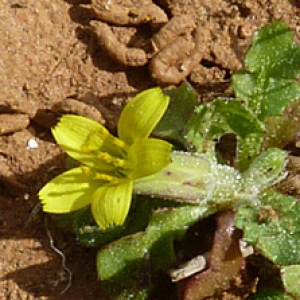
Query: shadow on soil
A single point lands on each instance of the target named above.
(26, 234)
(23, 222)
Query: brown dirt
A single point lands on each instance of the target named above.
(48, 54)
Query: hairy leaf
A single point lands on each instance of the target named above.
(123, 263)
(173, 125)
(273, 62)
(273, 227)
(270, 295)
(274, 53)
(291, 279)
(210, 122)
(239, 119)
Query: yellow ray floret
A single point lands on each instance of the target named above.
(109, 164)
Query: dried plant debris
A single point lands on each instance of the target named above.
(226, 264)
(291, 184)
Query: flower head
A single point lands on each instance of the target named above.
(109, 165)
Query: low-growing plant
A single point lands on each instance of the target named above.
(173, 191)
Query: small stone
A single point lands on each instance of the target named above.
(32, 144)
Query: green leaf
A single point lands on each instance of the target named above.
(266, 96)
(204, 127)
(277, 95)
(248, 148)
(248, 152)
(245, 85)
(210, 122)
(273, 227)
(274, 214)
(291, 279)
(273, 62)
(270, 295)
(117, 291)
(282, 130)
(164, 223)
(239, 119)
(282, 249)
(124, 262)
(266, 170)
(173, 124)
(274, 53)
(90, 234)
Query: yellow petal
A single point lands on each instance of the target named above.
(150, 155)
(68, 192)
(111, 204)
(83, 138)
(141, 115)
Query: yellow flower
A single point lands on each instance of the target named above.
(109, 164)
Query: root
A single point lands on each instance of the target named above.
(61, 254)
